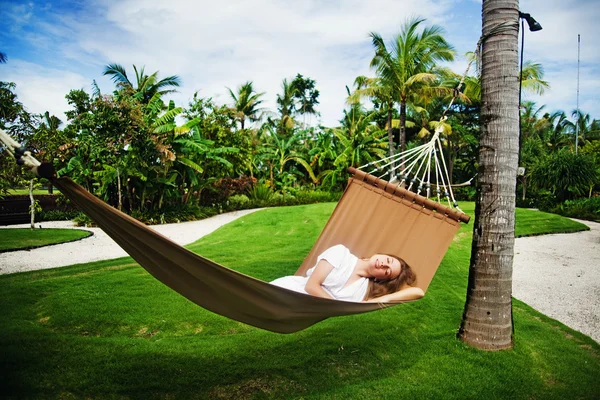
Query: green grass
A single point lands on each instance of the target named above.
(108, 330)
(531, 223)
(21, 239)
(35, 191)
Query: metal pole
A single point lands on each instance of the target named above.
(578, 113)
(520, 88)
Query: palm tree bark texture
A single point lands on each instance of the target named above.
(487, 317)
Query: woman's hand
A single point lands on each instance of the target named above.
(408, 293)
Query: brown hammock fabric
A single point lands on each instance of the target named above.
(371, 217)
(375, 216)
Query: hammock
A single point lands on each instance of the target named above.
(373, 216)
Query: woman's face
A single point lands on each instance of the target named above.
(384, 267)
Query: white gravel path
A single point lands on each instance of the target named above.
(558, 275)
(100, 246)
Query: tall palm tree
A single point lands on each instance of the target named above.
(47, 139)
(361, 139)
(534, 130)
(246, 103)
(374, 88)
(3, 58)
(588, 128)
(306, 95)
(408, 66)
(146, 86)
(286, 102)
(532, 78)
(533, 122)
(487, 317)
(557, 135)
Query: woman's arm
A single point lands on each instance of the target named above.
(408, 293)
(316, 279)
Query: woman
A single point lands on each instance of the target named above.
(341, 275)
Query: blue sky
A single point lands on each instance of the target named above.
(55, 46)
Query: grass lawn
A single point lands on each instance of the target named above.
(108, 330)
(21, 239)
(35, 191)
(531, 223)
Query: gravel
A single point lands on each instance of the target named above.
(559, 275)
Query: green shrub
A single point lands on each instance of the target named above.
(261, 192)
(219, 191)
(170, 215)
(317, 196)
(238, 202)
(174, 214)
(588, 209)
(464, 193)
(57, 215)
(83, 220)
(542, 200)
(567, 175)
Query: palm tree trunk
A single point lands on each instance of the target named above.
(487, 317)
(450, 157)
(391, 140)
(402, 131)
(119, 190)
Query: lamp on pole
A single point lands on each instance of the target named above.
(534, 26)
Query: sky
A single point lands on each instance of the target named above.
(56, 46)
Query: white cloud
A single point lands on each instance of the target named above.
(212, 46)
(42, 89)
(562, 21)
(555, 47)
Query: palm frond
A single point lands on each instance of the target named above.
(173, 80)
(168, 117)
(117, 73)
(189, 163)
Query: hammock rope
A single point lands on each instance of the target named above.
(19, 152)
(418, 163)
(426, 153)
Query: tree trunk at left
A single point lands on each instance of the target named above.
(120, 202)
(487, 317)
(32, 206)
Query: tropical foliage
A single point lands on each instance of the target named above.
(145, 154)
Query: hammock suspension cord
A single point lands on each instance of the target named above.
(418, 163)
(429, 153)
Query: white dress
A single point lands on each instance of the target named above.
(343, 265)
